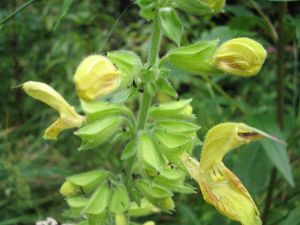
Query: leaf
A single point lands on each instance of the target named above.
(166, 87)
(122, 95)
(77, 202)
(171, 140)
(64, 10)
(153, 192)
(177, 126)
(98, 110)
(129, 150)
(99, 200)
(179, 109)
(87, 178)
(120, 201)
(127, 61)
(171, 24)
(275, 151)
(149, 154)
(98, 132)
(293, 217)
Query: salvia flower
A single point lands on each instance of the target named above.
(220, 187)
(69, 118)
(240, 56)
(96, 77)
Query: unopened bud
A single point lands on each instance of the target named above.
(167, 204)
(96, 77)
(69, 189)
(150, 222)
(240, 56)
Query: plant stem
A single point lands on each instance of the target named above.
(11, 15)
(152, 60)
(280, 102)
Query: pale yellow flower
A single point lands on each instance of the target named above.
(96, 77)
(69, 118)
(219, 186)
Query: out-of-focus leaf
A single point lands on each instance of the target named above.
(64, 10)
(293, 217)
(276, 152)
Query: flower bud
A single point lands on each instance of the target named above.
(150, 222)
(167, 204)
(69, 189)
(96, 77)
(240, 56)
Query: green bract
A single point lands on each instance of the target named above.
(195, 58)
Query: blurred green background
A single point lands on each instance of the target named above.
(47, 39)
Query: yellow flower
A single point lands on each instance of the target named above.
(240, 56)
(219, 186)
(96, 77)
(69, 118)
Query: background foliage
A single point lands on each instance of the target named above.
(46, 40)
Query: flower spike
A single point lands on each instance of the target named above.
(69, 118)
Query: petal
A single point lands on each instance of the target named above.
(48, 95)
(58, 126)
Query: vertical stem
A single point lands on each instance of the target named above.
(280, 102)
(280, 66)
(152, 59)
(155, 41)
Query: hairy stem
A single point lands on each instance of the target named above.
(280, 103)
(146, 99)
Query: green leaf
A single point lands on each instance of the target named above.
(77, 202)
(275, 151)
(166, 87)
(175, 126)
(195, 59)
(64, 10)
(129, 64)
(145, 208)
(171, 24)
(170, 140)
(149, 155)
(129, 150)
(98, 110)
(178, 109)
(84, 179)
(193, 7)
(98, 132)
(153, 192)
(293, 217)
(99, 219)
(99, 200)
(123, 95)
(120, 201)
